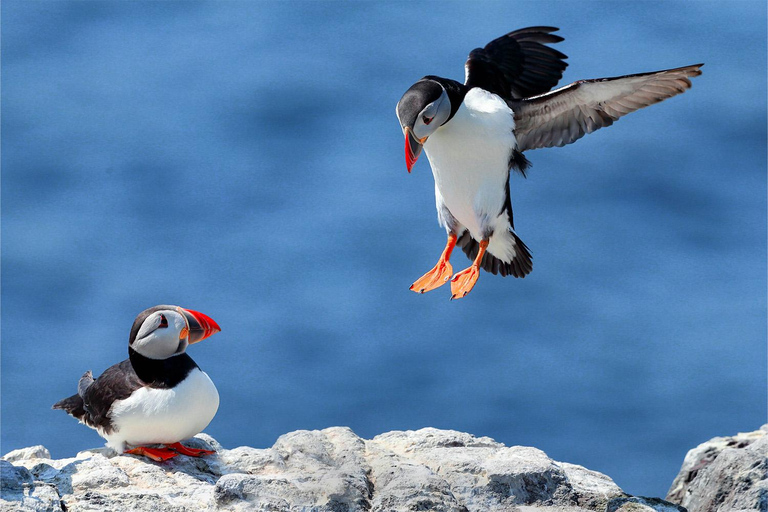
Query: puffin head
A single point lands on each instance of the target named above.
(165, 331)
(422, 110)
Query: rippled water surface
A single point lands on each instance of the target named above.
(243, 159)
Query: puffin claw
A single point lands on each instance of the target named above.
(435, 278)
(463, 282)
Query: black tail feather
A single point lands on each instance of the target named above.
(520, 266)
(74, 406)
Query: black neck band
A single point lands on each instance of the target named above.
(161, 373)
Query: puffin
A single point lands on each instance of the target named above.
(475, 134)
(159, 395)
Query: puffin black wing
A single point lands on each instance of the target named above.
(567, 114)
(518, 64)
(95, 397)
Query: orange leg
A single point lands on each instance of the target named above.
(463, 282)
(192, 452)
(440, 274)
(156, 454)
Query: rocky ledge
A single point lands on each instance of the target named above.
(331, 470)
(725, 473)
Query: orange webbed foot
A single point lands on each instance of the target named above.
(191, 452)
(463, 282)
(441, 272)
(435, 278)
(156, 454)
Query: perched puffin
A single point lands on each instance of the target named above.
(158, 395)
(475, 133)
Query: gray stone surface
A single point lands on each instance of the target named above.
(33, 452)
(641, 504)
(725, 474)
(20, 491)
(332, 470)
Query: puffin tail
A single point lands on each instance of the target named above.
(520, 265)
(74, 405)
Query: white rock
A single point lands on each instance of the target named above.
(485, 475)
(397, 483)
(19, 491)
(33, 452)
(725, 473)
(640, 504)
(331, 470)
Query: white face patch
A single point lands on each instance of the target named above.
(162, 335)
(432, 116)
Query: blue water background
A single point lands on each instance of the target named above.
(243, 159)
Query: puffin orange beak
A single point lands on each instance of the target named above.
(413, 148)
(200, 326)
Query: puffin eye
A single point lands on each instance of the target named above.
(163, 322)
(426, 119)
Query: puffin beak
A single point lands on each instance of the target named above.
(412, 148)
(200, 326)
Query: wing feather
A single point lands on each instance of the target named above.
(518, 64)
(117, 382)
(565, 115)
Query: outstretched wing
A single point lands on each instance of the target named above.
(517, 65)
(565, 115)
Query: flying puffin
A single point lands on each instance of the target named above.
(158, 395)
(475, 133)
